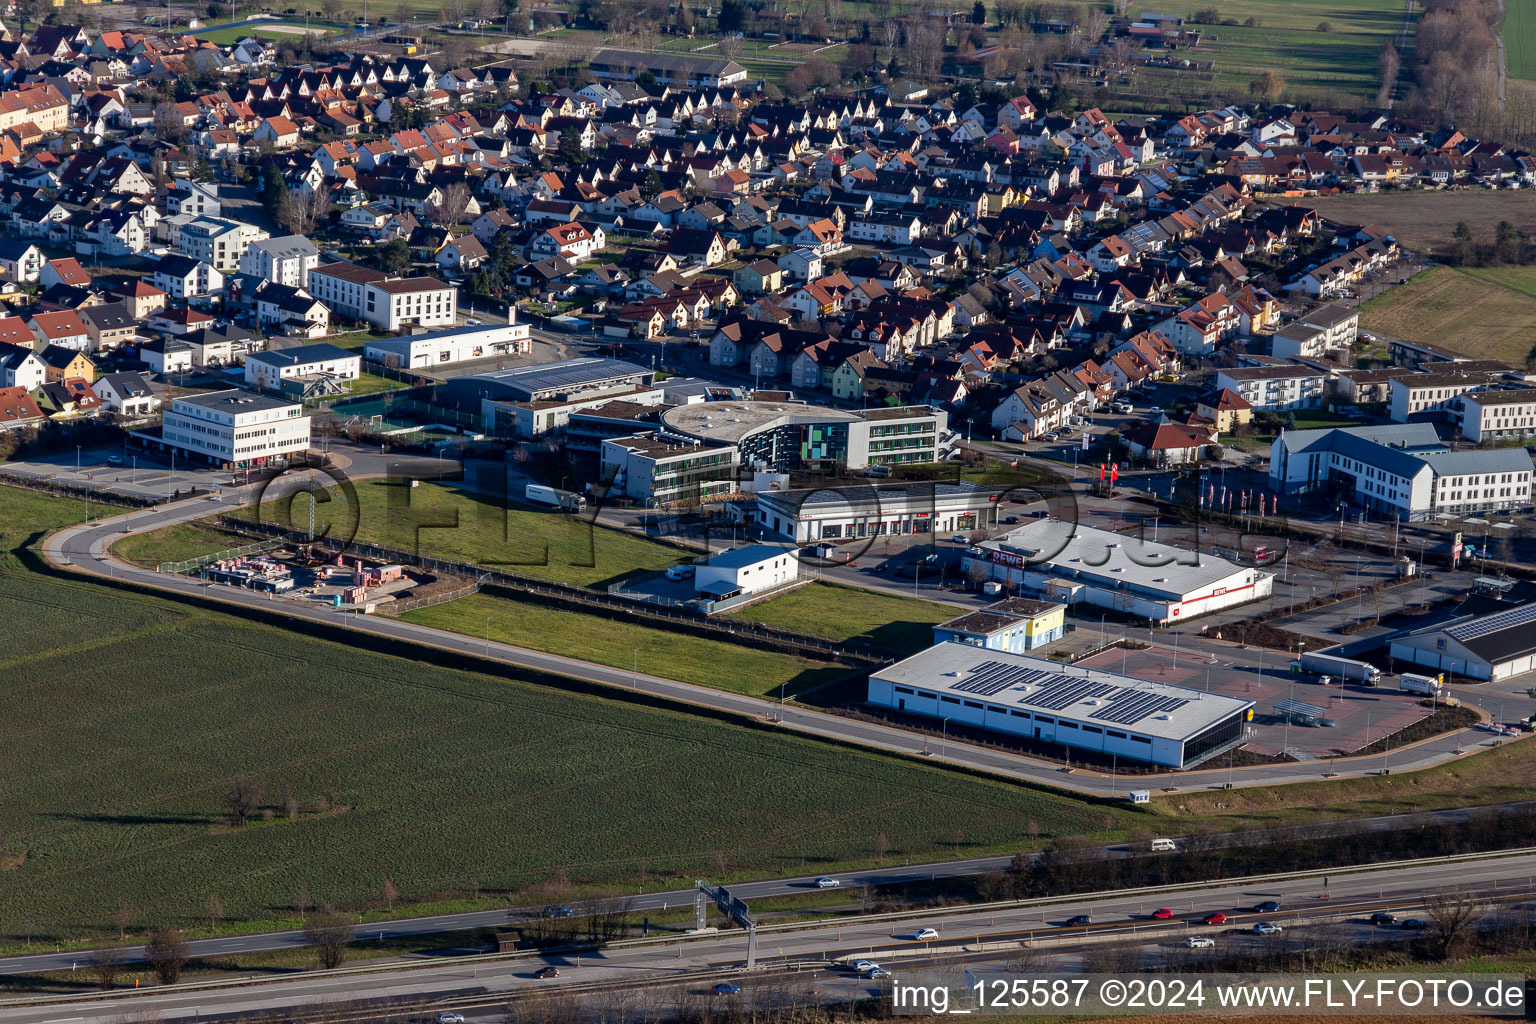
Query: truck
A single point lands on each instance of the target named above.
(1429, 686)
(570, 501)
(1340, 668)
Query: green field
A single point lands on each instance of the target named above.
(177, 543)
(1520, 39)
(855, 616)
(272, 32)
(1485, 312)
(445, 522)
(691, 659)
(128, 716)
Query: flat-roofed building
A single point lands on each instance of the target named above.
(455, 345)
(233, 429)
(1076, 564)
(841, 512)
(1498, 415)
(1494, 646)
(1276, 388)
(779, 436)
(1016, 625)
(1070, 705)
(660, 470)
(1423, 396)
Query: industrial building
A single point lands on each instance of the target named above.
(851, 511)
(455, 345)
(1070, 705)
(1492, 647)
(782, 436)
(232, 429)
(1016, 625)
(754, 569)
(1402, 470)
(1075, 564)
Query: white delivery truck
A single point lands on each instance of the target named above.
(570, 501)
(1429, 686)
(1339, 668)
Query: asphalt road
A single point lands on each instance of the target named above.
(462, 984)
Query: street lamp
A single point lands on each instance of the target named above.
(634, 670)
(944, 738)
(487, 636)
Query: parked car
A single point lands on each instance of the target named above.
(959, 538)
(825, 882)
(1214, 917)
(1267, 928)
(114, 460)
(547, 972)
(1200, 942)
(1011, 520)
(924, 934)
(1162, 914)
(680, 572)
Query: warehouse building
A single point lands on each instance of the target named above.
(1075, 564)
(754, 569)
(533, 401)
(1083, 708)
(852, 511)
(1492, 647)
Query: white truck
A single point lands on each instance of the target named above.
(1339, 668)
(570, 501)
(1429, 686)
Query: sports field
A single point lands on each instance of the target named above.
(129, 716)
(1490, 313)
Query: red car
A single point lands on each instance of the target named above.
(1161, 914)
(1216, 917)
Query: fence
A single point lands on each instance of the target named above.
(523, 587)
(45, 485)
(191, 565)
(395, 608)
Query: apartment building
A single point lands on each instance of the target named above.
(1276, 388)
(1498, 415)
(218, 242)
(1431, 395)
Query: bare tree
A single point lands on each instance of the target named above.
(1387, 66)
(1454, 916)
(290, 803)
(330, 932)
(106, 965)
(388, 895)
(242, 798)
(300, 213)
(167, 953)
(123, 920)
(302, 902)
(455, 201)
(882, 847)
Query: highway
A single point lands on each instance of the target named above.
(993, 933)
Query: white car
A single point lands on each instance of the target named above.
(1200, 942)
(923, 934)
(450, 1018)
(825, 882)
(1267, 928)
(862, 966)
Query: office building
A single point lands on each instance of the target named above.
(783, 436)
(233, 429)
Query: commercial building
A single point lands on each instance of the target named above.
(1016, 625)
(1401, 470)
(1492, 647)
(782, 436)
(455, 345)
(271, 369)
(1498, 415)
(657, 470)
(1067, 705)
(233, 429)
(753, 569)
(1075, 564)
(852, 511)
(532, 401)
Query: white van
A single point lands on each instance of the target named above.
(680, 572)
(1164, 846)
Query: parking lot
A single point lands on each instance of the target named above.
(122, 470)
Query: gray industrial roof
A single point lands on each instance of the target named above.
(1101, 557)
(302, 354)
(235, 401)
(738, 558)
(570, 374)
(732, 421)
(1398, 434)
(1067, 692)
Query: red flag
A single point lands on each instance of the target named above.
(1114, 472)
(1101, 472)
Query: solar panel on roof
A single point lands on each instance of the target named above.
(993, 677)
(1066, 692)
(1493, 623)
(1127, 707)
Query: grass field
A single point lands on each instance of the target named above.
(1489, 313)
(453, 524)
(279, 33)
(1425, 221)
(691, 659)
(176, 543)
(1520, 39)
(128, 716)
(853, 615)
